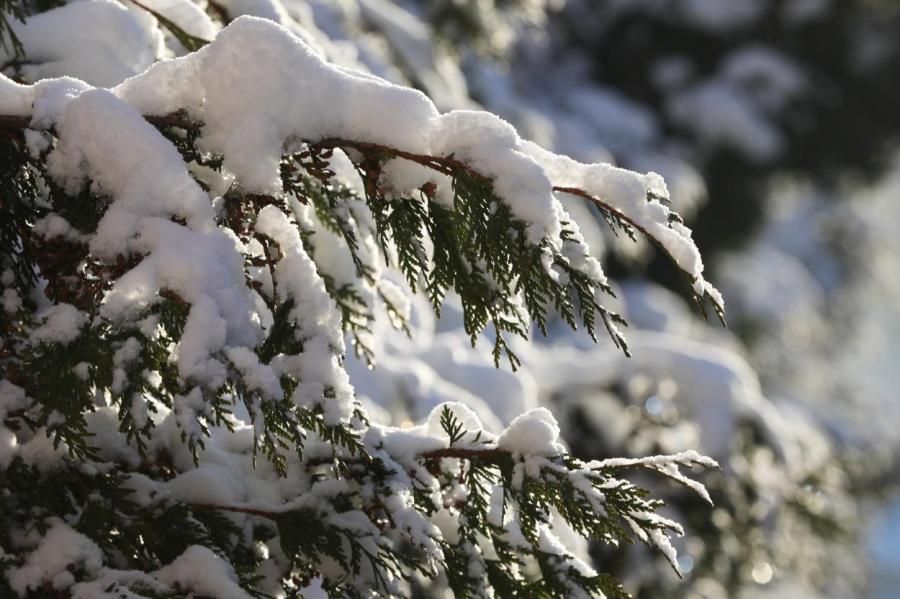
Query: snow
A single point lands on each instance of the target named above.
(93, 123)
(317, 320)
(11, 301)
(201, 571)
(15, 98)
(296, 278)
(60, 549)
(509, 394)
(61, 323)
(256, 376)
(209, 484)
(534, 432)
(628, 193)
(50, 97)
(98, 41)
(53, 225)
(435, 72)
(669, 466)
(765, 76)
(117, 580)
(800, 11)
(620, 122)
(721, 14)
(258, 88)
(204, 334)
(250, 130)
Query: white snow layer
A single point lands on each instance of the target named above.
(257, 86)
(201, 571)
(99, 41)
(50, 562)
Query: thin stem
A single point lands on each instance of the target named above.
(491, 454)
(230, 508)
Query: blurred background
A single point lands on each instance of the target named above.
(775, 125)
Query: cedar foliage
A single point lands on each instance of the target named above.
(360, 522)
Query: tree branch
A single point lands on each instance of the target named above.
(237, 510)
(491, 454)
(447, 165)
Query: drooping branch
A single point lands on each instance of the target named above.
(179, 119)
(621, 216)
(446, 165)
(234, 509)
(490, 454)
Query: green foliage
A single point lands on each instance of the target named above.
(359, 516)
(590, 500)
(477, 248)
(100, 505)
(307, 536)
(18, 203)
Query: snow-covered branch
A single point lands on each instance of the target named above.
(176, 293)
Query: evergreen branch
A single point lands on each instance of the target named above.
(8, 38)
(446, 165)
(235, 509)
(493, 454)
(614, 215)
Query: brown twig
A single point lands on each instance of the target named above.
(490, 453)
(604, 206)
(230, 508)
(447, 165)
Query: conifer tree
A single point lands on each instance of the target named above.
(182, 257)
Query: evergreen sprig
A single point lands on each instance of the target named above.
(360, 518)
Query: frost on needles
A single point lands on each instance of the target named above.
(182, 258)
